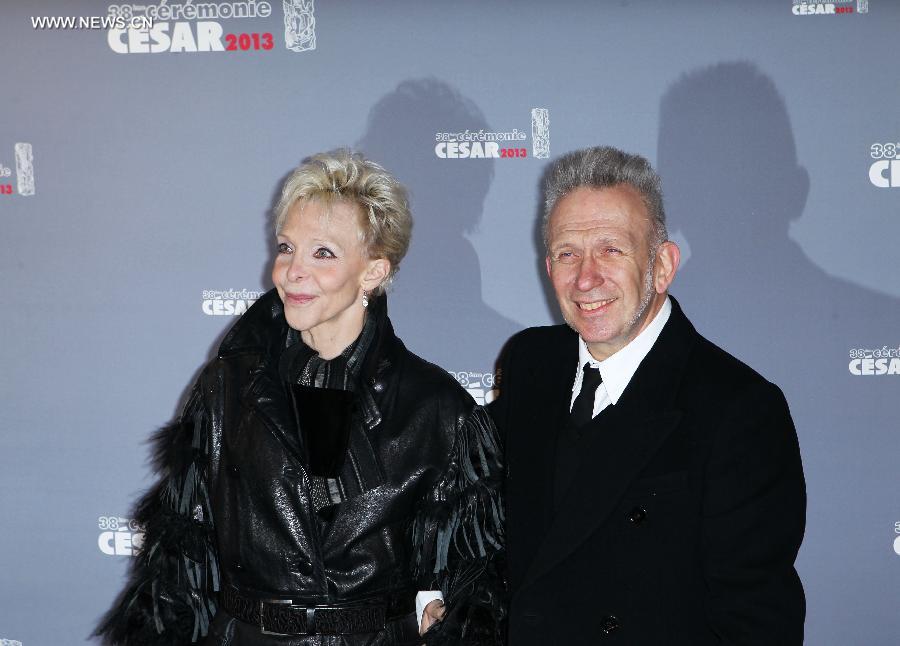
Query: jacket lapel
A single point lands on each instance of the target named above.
(258, 338)
(618, 451)
(617, 445)
(266, 395)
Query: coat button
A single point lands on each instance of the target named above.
(233, 471)
(637, 515)
(609, 625)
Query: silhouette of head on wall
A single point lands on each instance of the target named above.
(436, 302)
(728, 160)
(447, 195)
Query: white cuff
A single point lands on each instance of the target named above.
(423, 598)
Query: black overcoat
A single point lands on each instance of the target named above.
(233, 505)
(686, 512)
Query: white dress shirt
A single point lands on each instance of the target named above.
(618, 369)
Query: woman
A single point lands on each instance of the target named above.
(321, 475)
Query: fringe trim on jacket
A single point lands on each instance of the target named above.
(459, 536)
(171, 593)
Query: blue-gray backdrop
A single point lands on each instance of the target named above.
(138, 165)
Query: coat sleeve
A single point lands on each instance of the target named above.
(170, 594)
(499, 408)
(458, 536)
(754, 511)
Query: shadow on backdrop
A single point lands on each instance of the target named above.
(732, 185)
(540, 251)
(436, 302)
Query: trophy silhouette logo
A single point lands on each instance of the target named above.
(299, 25)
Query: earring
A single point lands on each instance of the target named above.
(365, 298)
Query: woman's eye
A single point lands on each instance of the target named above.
(284, 247)
(323, 252)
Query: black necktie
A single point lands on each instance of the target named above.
(583, 408)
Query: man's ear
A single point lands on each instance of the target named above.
(377, 270)
(547, 262)
(668, 255)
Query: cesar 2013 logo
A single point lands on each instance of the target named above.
(482, 144)
(884, 172)
(193, 28)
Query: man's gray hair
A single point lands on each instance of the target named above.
(604, 167)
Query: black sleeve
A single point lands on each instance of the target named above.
(458, 537)
(170, 595)
(754, 511)
(499, 408)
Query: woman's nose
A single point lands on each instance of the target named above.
(297, 269)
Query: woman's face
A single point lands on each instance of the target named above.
(321, 270)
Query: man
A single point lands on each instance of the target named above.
(655, 494)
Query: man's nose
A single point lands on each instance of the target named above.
(590, 274)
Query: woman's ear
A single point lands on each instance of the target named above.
(377, 271)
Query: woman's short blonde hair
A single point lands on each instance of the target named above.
(385, 222)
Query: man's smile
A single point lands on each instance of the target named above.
(590, 307)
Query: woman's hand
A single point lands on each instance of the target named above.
(432, 614)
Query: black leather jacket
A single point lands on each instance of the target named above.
(233, 505)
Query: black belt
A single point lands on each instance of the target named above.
(283, 617)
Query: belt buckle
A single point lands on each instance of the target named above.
(262, 617)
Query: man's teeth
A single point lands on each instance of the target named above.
(592, 306)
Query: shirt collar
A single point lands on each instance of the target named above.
(618, 369)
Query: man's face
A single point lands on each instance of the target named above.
(607, 280)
